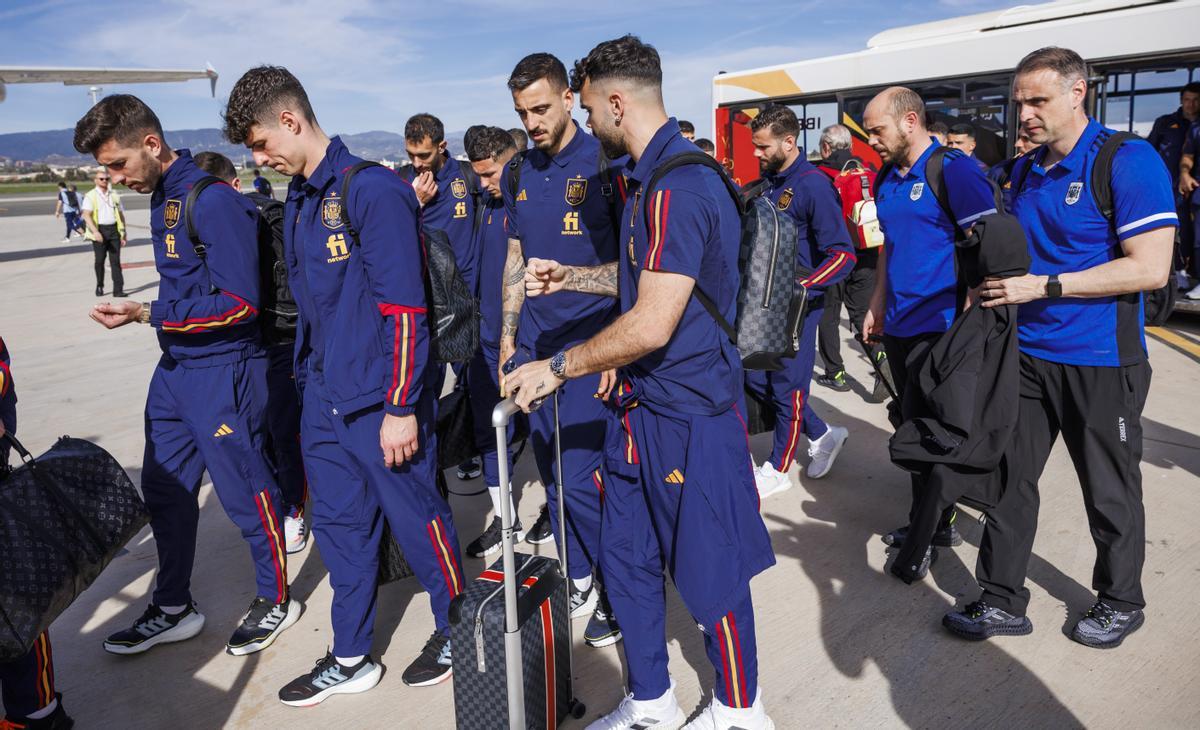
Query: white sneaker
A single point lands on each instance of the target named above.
(295, 534)
(718, 716)
(663, 713)
(1194, 293)
(769, 481)
(824, 450)
(1182, 281)
(66, 240)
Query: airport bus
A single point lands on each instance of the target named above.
(1140, 54)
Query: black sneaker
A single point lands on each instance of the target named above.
(879, 391)
(541, 532)
(582, 603)
(469, 469)
(99, 291)
(56, 720)
(948, 536)
(120, 294)
(432, 665)
(330, 678)
(602, 628)
(1104, 627)
(916, 572)
(156, 627)
(489, 542)
(837, 381)
(263, 622)
(978, 621)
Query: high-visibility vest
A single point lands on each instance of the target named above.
(93, 195)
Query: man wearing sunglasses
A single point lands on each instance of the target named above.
(105, 221)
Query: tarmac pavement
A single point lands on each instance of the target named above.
(841, 642)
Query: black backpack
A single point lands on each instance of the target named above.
(454, 311)
(608, 188)
(277, 313)
(72, 199)
(1159, 303)
(409, 173)
(771, 301)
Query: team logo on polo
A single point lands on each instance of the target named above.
(785, 199)
(1073, 192)
(171, 213)
(458, 189)
(331, 213)
(917, 189)
(576, 190)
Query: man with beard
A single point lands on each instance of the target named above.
(825, 256)
(679, 493)
(558, 208)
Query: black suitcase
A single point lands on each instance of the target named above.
(512, 643)
(63, 517)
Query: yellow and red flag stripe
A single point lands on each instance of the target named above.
(731, 657)
(270, 523)
(657, 210)
(832, 265)
(239, 313)
(793, 431)
(44, 669)
(404, 347)
(445, 556)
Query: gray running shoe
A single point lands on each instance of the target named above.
(1104, 627)
(978, 621)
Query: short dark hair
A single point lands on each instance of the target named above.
(216, 164)
(122, 117)
(780, 119)
(260, 92)
(963, 128)
(686, 126)
(1063, 61)
(62, 185)
(939, 128)
(537, 66)
(706, 145)
(489, 143)
(472, 130)
(1190, 88)
(624, 58)
(520, 137)
(420, 126)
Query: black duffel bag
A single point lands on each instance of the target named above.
(63, 517)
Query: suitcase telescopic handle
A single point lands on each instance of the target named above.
(513, 660)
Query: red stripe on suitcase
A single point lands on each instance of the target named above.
(548, 647)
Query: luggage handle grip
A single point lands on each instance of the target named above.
(18, 447)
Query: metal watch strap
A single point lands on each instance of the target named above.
(144, 315)
(558, 365)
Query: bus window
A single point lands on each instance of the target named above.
(1132, 101)
(814, 116)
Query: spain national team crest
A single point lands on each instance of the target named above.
(1074, 190)
(785, 199)
(917, 189)
(171, 213)
(576, 190)
(458, 189)
(331, 213)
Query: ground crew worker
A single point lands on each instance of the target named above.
(104, 219)
(27, 683)
(354, 292)
(206, 405)
(825, 256)
(679, 491)
(1083, 366)
(915, 283)
(279, 338)
(560, 211)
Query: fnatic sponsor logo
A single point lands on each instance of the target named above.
(1074, 190)
(785, 198)
(458, 188)
(331, 212)
(675, 477)
(338, 250)
(169, 242)
(576, 191)
(522, 196)
(571, 224)
(917, 189)
(1121, 428)
(171, 213)
(460, 209)
(224, 430)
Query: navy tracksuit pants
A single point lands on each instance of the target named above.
(788, 390)
(679, 494)
(28, 683)
(283, 425)
(483, 386)
(212, 418)
(352, 492)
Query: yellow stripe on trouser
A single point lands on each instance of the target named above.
(273, 529)
(441, 542)
(734, 680)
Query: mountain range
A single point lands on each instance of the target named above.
(54, 146)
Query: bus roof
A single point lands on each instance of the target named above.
(980, 43)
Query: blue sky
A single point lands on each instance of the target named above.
(369, 64)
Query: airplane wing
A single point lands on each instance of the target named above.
(96, 76)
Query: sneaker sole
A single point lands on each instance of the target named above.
(292, 549)
(588, 607)
(832, 458)
(989, 631)
(430, 682)
(776, 490)
(1082, 639)
(493, 549)
(539, 540)
(182, 631)
(954, 542)
(603, 641)
(295, 611)
(351, 687)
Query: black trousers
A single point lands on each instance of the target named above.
(855, 291)
(1098, 411)
(110, 245)
(906, 356)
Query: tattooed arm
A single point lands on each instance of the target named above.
(512, 296)
(543, 276)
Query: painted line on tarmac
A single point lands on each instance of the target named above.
(137, 265)
(1176, 342)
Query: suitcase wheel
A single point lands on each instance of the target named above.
(577, 709)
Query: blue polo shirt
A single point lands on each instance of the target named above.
(559, 213)
(919, 240)
(825, 254)
(687, 225)
(493, 250)
(452, 211)
(1067, 233)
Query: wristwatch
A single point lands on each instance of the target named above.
(144, 315)
(1053, 287)
(558, 365)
